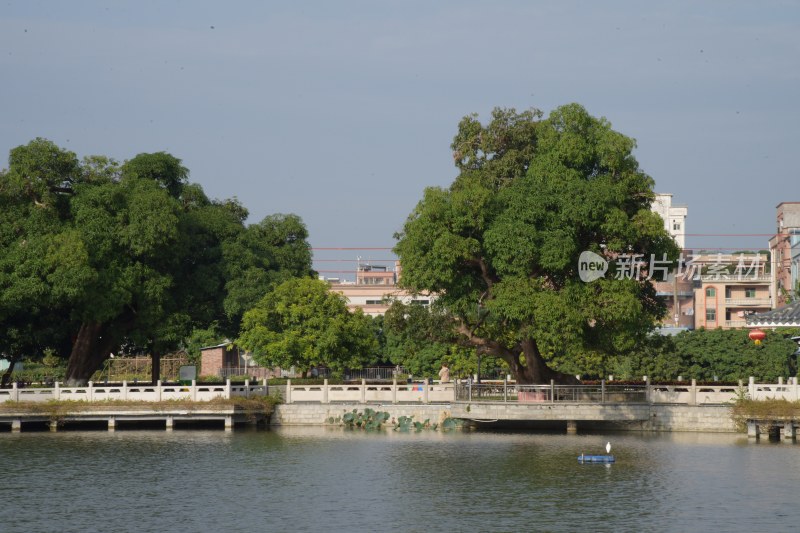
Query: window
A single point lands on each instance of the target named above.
(676, 226)
(749, 292)
(711, 315)
(711, 292)
(374, 302)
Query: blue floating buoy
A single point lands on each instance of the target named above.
(583, 458)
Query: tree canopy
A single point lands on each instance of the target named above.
(302, 324)
(417, 338)
(95, 255)
(501, 245)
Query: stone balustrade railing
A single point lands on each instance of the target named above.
(387, 393)
(694, 394)
(425, 392)
(134, 392)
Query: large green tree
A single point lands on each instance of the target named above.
(302, 324)
(133, 255)
(500, 246)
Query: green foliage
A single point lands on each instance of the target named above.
(200, 338)
(301, 323)
(731, 355)
(261, 257)
(160, 167)
(418, 337)
(95, 256)
(406, 423)
(51, 359)
(452, 423)
(767, 409)
(40, 172)
(369, 419)
(702, 354)
(500, 246)
(421, 338)
(655, 357)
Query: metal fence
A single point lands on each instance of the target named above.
(379, 372)
(468, 391)
(255, 372)
(372, 373)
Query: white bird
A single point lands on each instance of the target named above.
(608, 447)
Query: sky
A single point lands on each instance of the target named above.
(343, 112)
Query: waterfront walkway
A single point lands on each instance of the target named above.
(675, 407)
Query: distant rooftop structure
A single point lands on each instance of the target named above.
(375, 288)
(788, 316)
(367, 274)
(674, 216)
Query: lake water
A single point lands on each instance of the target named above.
(322, 479)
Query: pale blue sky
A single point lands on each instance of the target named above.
(342, 112)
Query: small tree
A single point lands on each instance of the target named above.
(301, 323)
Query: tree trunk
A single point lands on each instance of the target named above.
(534, 371)
(524, 360)
(12, 361)
(155, 371)
(89, 351)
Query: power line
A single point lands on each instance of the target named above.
(351, 260)
(733, 234)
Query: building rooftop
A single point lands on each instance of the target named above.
(785, 316)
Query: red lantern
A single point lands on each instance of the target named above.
(757, 336)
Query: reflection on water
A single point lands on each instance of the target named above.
(303, 479)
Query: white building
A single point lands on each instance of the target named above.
(674, 217)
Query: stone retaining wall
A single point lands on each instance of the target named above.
(704, 418)
(642, 417)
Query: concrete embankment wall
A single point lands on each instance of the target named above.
(703, 418)
(310, 414)
(697, 418)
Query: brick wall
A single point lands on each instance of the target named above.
(212, 360)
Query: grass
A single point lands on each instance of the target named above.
(767, 410)
(255, 404)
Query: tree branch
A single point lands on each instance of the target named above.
(488, 277)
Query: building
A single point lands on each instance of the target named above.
(731, 287)
(214, 358)
(674, 216)
(784, 249)
(224, 360)
(375, 288)
(678, 293)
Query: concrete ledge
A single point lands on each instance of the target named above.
(113, 416)
(553, 411)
